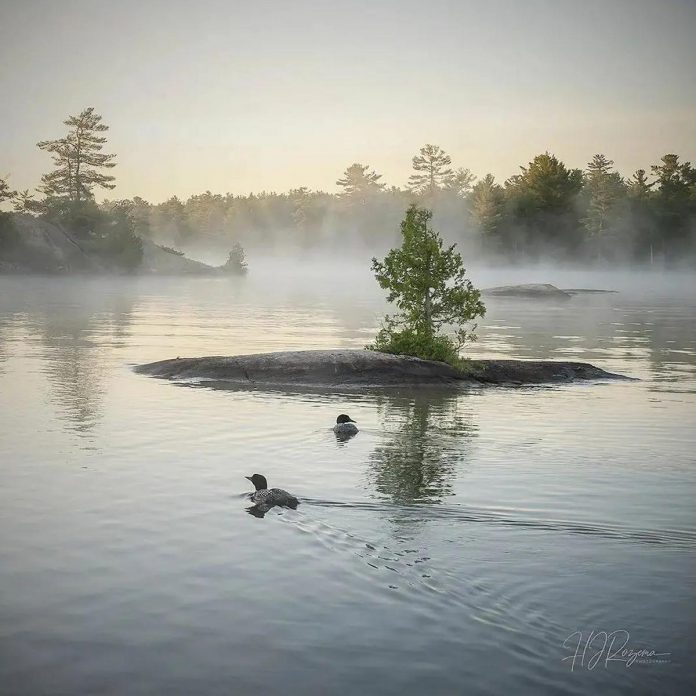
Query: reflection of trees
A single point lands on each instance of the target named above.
(76, 364)
(3, 341)
(420, 458)
(78, 322)
(545, 328)
(670, 334)
(8, 298)
(74, 369)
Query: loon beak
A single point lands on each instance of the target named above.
(248, 477)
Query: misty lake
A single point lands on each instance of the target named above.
(461, 543)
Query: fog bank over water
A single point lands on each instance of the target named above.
(336, 273)
(315, 300)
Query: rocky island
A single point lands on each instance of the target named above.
(357, 369)
(539, 291)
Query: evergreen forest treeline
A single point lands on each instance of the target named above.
(545, 210)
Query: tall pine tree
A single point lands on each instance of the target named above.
(675, 202)
(359, 182)
(487, 206)
(461, 182)
(78, 159)
(605, 188)
(433, 171)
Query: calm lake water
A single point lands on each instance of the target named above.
(460, 544)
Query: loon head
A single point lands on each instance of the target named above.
(259, 481)
(344, 419)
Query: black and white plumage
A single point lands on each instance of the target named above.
(267, 497)
(345, 425)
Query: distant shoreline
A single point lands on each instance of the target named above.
(46, 248)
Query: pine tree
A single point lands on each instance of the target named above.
(78, 159)
(461, 182)
(487, 205)
(551, 186)
(605, 188)
(641, 216)
(359, 182)
(674, 179)
(6, 193)
(432, 171)
(24, 202)
(638, 186)
(674, 201)
(542, 204)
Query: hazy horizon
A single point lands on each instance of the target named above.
(233, 98)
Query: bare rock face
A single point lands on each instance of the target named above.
(537, 372)
(50, 248)
(306, 368)
(355, 369)
(47, 248)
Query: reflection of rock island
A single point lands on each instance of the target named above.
(356, 369)
(419, 460)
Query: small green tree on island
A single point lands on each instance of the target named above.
(427, 282)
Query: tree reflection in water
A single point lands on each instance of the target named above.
(78, 324)
(428, 435)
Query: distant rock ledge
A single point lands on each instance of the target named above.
(539, 291)
(355, 369)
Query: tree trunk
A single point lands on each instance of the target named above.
(427, 305)
(427, 312)
(77, 167)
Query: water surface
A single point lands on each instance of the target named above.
(453, 546)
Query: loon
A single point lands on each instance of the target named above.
(268, 497)
(345, 425)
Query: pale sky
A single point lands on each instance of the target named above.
(272, 95)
